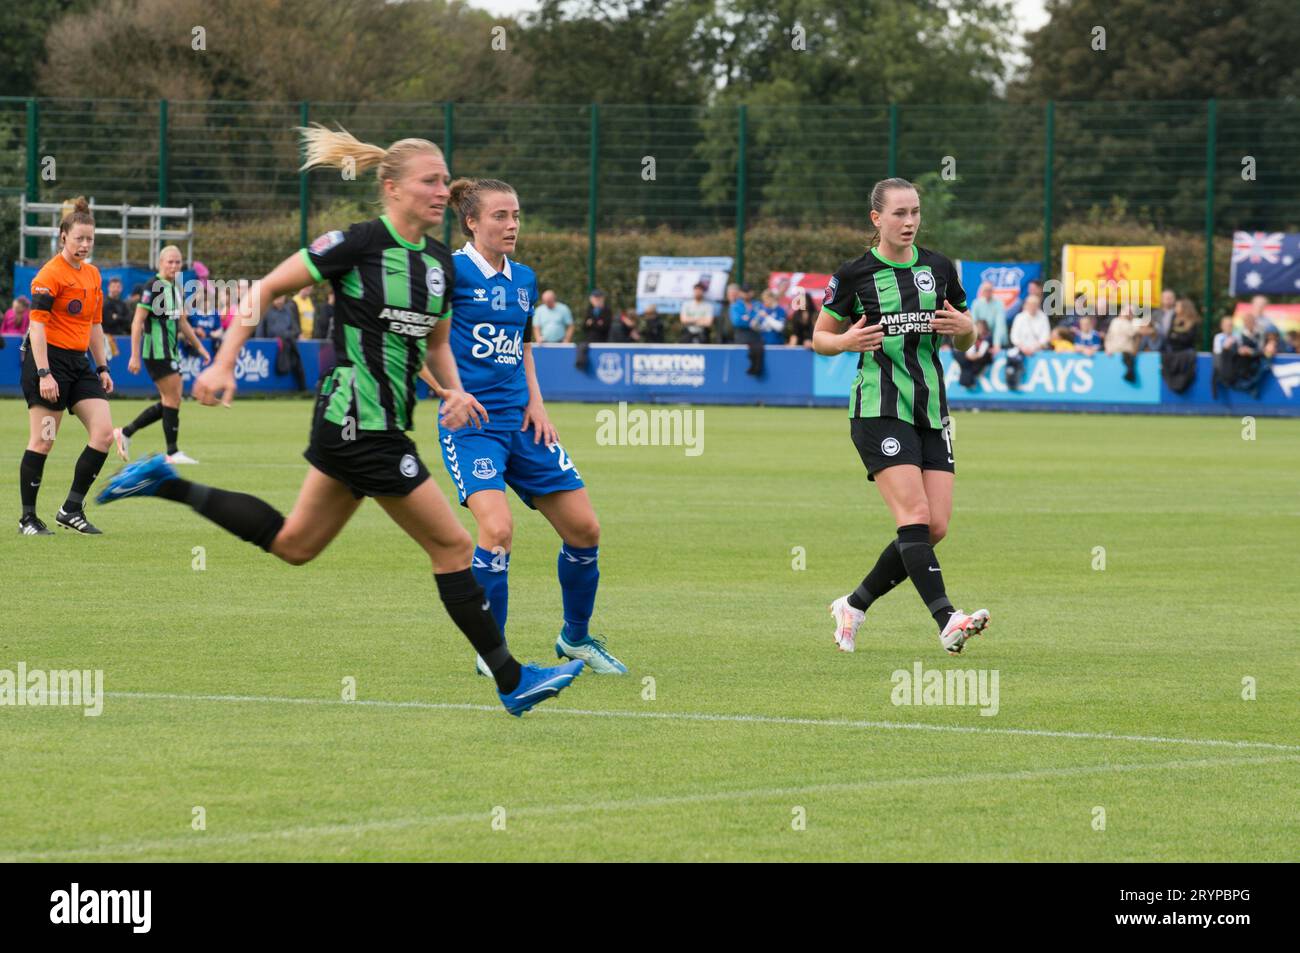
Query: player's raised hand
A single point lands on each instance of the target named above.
(215, 385)
(948, 320)
(863, 336)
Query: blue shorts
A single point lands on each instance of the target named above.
(492, 459)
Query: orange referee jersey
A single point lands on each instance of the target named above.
(67, 301)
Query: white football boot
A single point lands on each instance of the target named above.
(961, 627)
(847, 622)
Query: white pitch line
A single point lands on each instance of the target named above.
(736, 719)
(571, 810)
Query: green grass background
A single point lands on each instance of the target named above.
(1201, 531)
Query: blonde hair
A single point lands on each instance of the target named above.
(166, 248)
(467, 198)
(339, 149)
(75, 212)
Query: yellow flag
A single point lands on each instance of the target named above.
(1121, 274)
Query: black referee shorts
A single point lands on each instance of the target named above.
(371, 463)
(884, 442)
(71, 370)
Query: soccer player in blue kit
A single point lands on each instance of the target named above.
(493, 301)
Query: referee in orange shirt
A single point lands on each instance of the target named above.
(67, 306)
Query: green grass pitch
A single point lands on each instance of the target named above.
(1120, 689)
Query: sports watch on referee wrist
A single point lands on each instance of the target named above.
(42, 372)
(101, 369)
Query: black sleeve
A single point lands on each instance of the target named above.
(841, 297)
(336, 253)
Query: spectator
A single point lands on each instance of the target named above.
(742, 314)
(802, 320)
(596, 326)
(323, 329)
(552, 320)
(1162, 319)
(133, 299)
(697, 317)
(978, 356)
(1258, 306)
(117, 316)
(726, 331)
(1225, 352)
(281, 322)
(1293, 342)
(1254, 353)
(18, 317)
(1035, 288)
(1087, 341)
(990, 310)
(652, 326)
(1178, 363)
(204, 316)
(623, 330)
(1062, 339)
(306, 306)
(769, 320)
(1030, 333)
(1122, 339)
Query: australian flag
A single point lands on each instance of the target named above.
(1265, 263)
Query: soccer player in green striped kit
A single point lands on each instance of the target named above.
(392, 288)
(892, 306)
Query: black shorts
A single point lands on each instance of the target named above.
(71, 370)
(887, 441)
(159, 369)
(372, 463)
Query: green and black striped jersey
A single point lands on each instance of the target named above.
(162, 303)
(388, 295)
(904, 379)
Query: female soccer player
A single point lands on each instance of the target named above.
(67, 308)
(390, 281)
(160, 320)
(891, 306)
(491, 337)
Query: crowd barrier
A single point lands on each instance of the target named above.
(791, 376)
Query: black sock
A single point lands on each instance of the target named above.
(88, 465)
(464, 600)
(252, 520)
(171, 426)
(149, 415)
(923, 567)
(29, 479)
(887, 573)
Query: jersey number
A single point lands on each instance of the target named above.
(565, 462)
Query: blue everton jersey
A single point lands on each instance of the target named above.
(493, 319)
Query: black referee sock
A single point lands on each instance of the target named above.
(466, 603)
(923, 567)
(149, 415)
(171, 417)
(83, 476)
(29, 479)
(887, 573)
(252, 520)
